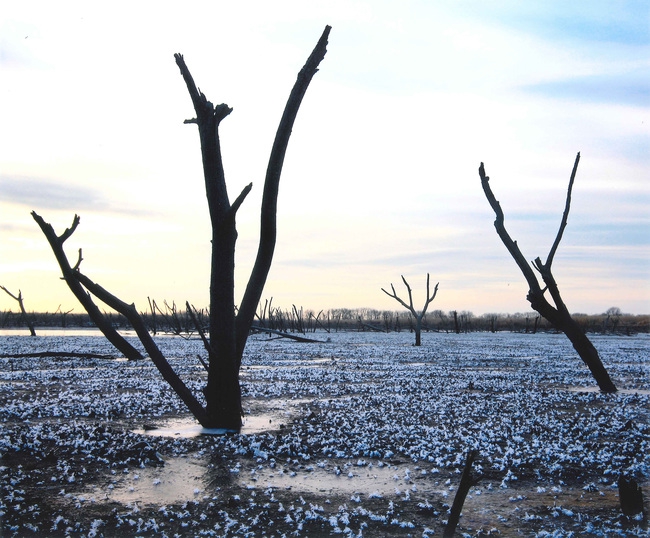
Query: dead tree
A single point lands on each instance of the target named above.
(23, 312)
(64, 316)
(558, 315)
(419, 316)
(228, 327)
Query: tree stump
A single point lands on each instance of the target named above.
(631, 497)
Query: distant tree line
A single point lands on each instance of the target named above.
(172, 320)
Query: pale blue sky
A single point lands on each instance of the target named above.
(381, 174)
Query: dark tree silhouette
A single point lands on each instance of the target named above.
(419, 316)
(558, 315)
(71, 275)
(23, 312)
(467, 481)
(229, 327)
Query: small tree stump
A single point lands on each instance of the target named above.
(631, 497)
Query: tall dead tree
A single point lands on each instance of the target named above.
(23, 312)
(558, 315)
(228, 327)
(419, 316)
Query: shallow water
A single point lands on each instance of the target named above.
(276, 415)
(320, 421)
(179, 480)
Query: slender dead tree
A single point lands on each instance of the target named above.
(419, 316)
(228, 327)
(558, 315)
(467, 481)
(23, 312)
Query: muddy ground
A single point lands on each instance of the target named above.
(361, 435)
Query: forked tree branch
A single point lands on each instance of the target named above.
(56, 243)
(394, 295)
(410, 307)
(511, 245)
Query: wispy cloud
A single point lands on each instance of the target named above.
(628, 89)
(37, 194)
(624, 22)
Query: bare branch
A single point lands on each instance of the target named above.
(410, 292)
(197, 325)
(565, 216)
(78, 290)
(240, 199)
(268, 221)
(400, 301)
(207, 119)
(78, 264)
(430, 298)
(511, 245)
(202, 106)
(20, 295)
(69, 231)
(559, 315)
(129, 312)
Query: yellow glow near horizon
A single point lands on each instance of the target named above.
(380, 178)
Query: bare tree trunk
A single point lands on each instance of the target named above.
(418, 331)
(229, 331)
(559, 315)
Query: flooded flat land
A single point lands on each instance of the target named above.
(362, 434)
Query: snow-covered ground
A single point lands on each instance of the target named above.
(363, 434)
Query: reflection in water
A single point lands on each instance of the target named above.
(277, 414)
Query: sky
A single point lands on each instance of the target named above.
(381, 175)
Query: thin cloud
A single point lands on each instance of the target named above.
(628, 89)
(40, 194)
(604, 21)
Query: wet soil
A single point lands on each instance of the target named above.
(362, 436)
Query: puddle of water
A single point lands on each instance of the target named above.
(276, 415)
(179, 480)
(349, 479)
(187, 479)
(188, 427)
(290, 363)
